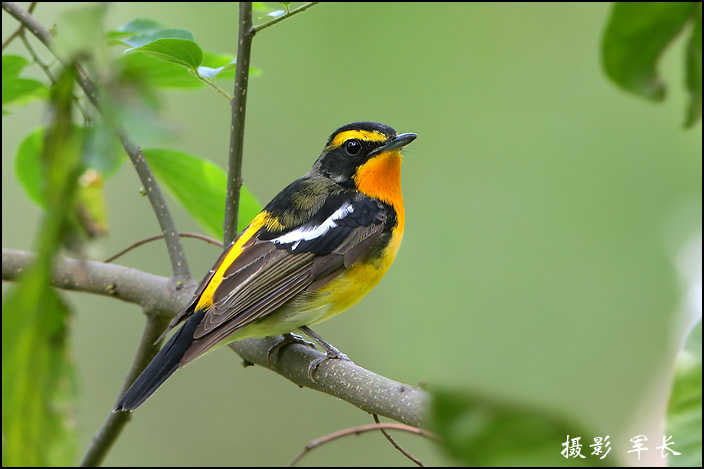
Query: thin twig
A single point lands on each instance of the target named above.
(301, 8)
(396, 445)
(214, 86)
(179, 264)
(47, 71)
(238, 108)
(361, 429)
(343, 379)
(18, 31)
(108, 433)
(205, 238)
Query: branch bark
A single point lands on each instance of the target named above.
(179, 264)
(114, 423)
(238, 108)
(343, 379)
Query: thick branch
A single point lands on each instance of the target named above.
(343, 379)
(238, 108)
(108, 433)
(173, 244)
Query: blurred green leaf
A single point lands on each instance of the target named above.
(96, 155)
(16, 89)
(28, 166)
(684, 412)
(477, 431)
(36, 373)
(80, 31)
(200, 186)
(179, 51)
(636, 35)
(90, 204)
(693, 64)
(140, 25)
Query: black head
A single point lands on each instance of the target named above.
(352, 145)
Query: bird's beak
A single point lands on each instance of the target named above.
(397, 142)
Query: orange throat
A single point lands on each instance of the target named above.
(380, 178)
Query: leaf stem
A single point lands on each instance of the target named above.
(214, 86)
(288, 14)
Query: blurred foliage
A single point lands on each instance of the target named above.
(201, 187)
(100, 160)
(479, 431)
(684, 412)
(585, 212)
(16, 89)
(36, 372)
(635, 38)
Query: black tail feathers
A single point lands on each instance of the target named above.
(161, 367)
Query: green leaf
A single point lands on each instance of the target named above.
(693, 63)
(635, 37)
(153, 35)
(684, 412)
(36, 372)
(16, 89)
(157, 73)
(477, 431)
(28, 165)
(178, 51)
(200, 186)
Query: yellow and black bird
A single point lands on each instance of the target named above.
(315, 250)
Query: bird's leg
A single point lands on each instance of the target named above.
(285, 340)
(331, 352)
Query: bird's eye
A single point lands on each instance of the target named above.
(353, 147)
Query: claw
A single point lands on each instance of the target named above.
(286, 339)
(330, 355)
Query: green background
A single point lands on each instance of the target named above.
(545, 210)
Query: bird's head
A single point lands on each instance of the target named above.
(360, 155)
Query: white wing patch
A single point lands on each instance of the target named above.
(308, 232)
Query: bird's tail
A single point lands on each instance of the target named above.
(161, 367)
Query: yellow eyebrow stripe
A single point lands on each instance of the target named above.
(206, 298)
(366, 135)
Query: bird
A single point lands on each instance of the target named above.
(317, 248)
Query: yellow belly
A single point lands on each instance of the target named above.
(351, 286)
(339, 294)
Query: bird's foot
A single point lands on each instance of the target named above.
(329, 355)
(286, 339)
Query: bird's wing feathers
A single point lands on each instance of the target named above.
(275, 266)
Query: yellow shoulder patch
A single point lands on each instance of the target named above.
(206, 298)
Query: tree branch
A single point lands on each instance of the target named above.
(301, 8)
(238, 108)
(415, 460)
(361, 429)
(141, 242)
(18, 31)
(343, 379)
(179, 264)
(113, 425)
